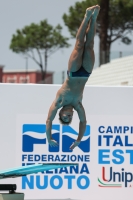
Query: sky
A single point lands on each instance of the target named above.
(16, 14)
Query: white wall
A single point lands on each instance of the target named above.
(109, 105)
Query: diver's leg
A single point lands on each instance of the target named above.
(88, 55)
(75, 60)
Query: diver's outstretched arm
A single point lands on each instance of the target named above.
(51, 115)
(82, 124)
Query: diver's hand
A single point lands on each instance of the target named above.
(75, 144)
(52, 143)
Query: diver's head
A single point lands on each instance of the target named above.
(65, 115)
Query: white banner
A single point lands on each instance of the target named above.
(105, 155)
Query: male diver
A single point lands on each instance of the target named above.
(80, 66)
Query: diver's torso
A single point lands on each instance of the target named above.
(71, 91)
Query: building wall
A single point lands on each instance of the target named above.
(15, 77)
(48, 78)
(22, 77)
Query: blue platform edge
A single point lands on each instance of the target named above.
(31, 169)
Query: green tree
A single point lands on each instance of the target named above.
(115, 21)
(38, 42)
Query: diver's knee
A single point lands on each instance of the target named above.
(79, 44)
(89, 45)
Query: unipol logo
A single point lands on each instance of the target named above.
(33, 134)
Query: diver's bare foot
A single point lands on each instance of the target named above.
(89, 12)
(96, 12)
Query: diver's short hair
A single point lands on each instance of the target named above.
(61, 121)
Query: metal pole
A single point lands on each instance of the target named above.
(120, 54)
(63, 76)
(26, 69)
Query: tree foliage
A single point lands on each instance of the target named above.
(39, 41)
(115, 21)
